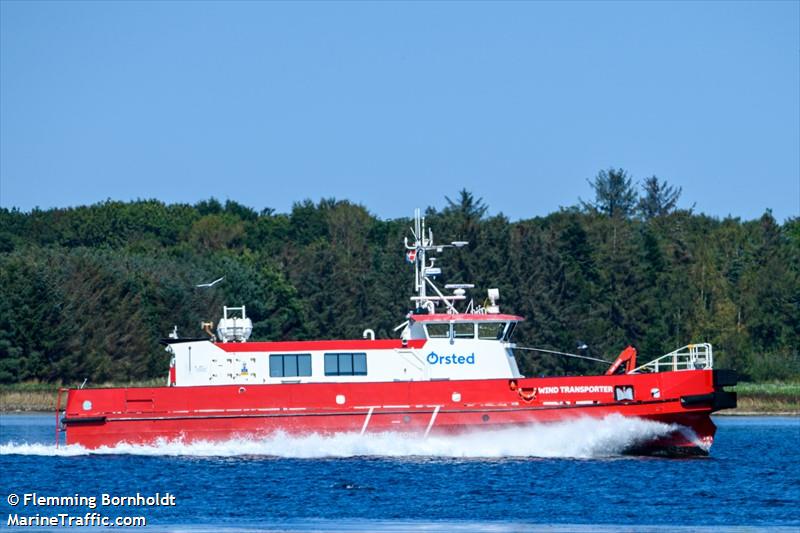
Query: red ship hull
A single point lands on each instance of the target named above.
(107, 417)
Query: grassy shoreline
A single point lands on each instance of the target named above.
(766, 399)
(754, 398)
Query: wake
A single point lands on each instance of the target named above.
(580, 438)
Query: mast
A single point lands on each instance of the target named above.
(425, 268)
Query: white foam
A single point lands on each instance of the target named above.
(580, 438)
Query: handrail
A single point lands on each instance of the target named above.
(690, 357)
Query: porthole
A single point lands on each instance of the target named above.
(485, 418)
(87, 405)
(406, 419)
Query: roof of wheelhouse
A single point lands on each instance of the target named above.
(466, 317)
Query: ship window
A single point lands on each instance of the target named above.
(359, 364)
(345, 364)
(438, 331)
(491, 330)
(304, 365)
(276, 366)
(289, 365)
(331, 364)
(464, 330)
(510, 331)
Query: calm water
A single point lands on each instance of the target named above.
(557, 478)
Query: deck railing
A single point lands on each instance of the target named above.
(690, 357)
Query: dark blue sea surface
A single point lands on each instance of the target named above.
(563, 478)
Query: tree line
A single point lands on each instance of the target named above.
(87, 292)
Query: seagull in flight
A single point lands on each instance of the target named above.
(210, 284)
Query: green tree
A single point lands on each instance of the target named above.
(614, 192)
(659, 198)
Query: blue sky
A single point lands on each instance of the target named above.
(395, 105)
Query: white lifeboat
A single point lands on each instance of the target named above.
(234, 328)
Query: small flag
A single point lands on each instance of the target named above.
(411, 256)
